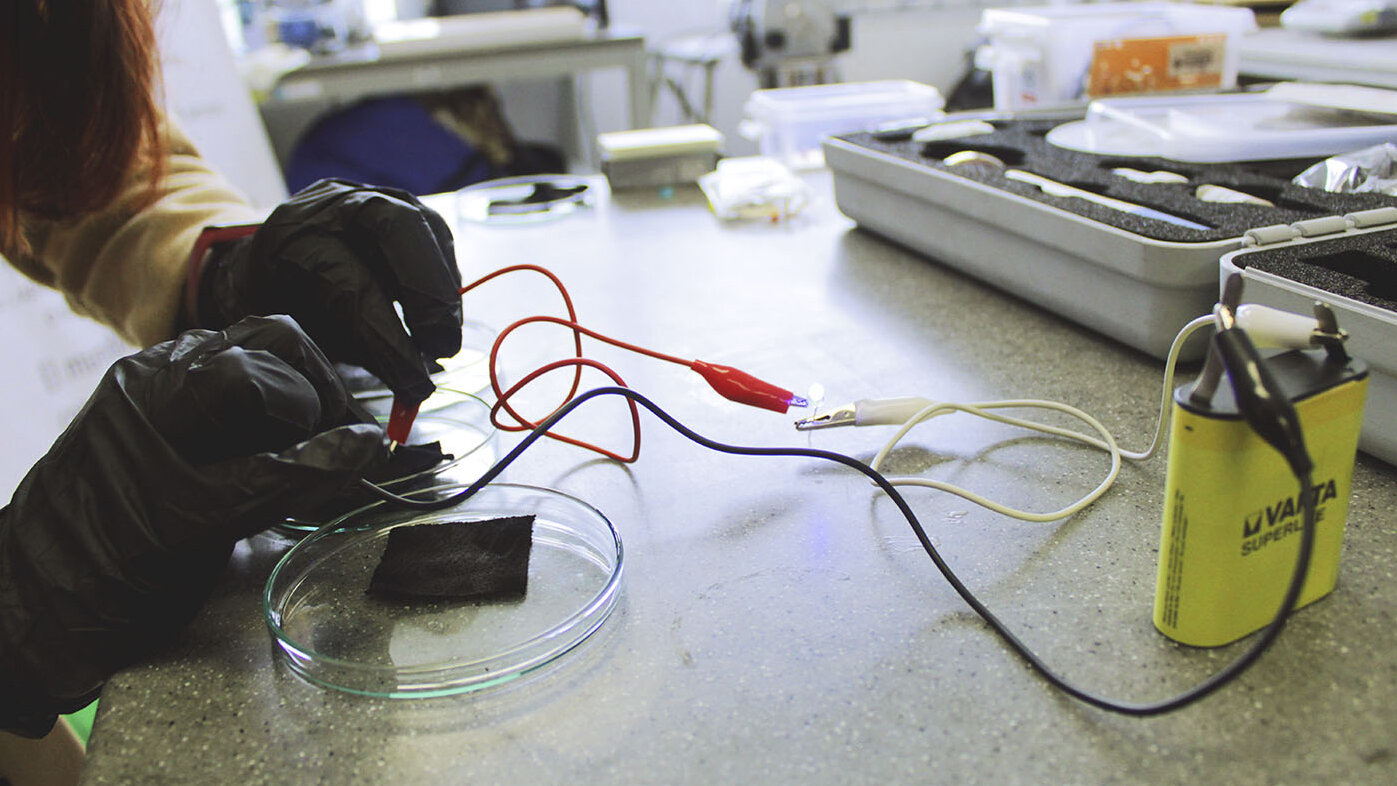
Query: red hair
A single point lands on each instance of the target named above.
(78, 104)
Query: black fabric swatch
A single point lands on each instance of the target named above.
(462, 560)
(408, 460)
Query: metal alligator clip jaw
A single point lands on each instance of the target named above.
(1266, 332)
(841, 416)
(1327, 332)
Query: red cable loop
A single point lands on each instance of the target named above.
(567, 303)
(726, 381)
(502, 397)
(579, 363)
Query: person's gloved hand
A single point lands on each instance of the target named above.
(336, 256)
(115, 538)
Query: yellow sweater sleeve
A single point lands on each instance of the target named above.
(125, 265)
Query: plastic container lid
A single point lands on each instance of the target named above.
(1341, 17)
(1114, 20)
(327, 628)
(1221, 128)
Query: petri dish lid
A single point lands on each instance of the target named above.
(525, 200)
(328, 630)
(1221, 128)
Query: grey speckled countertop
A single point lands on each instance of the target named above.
(779, 622)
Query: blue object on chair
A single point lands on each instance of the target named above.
(392, 142)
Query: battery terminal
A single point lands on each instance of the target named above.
(1268, 327)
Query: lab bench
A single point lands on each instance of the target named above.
(779, 621)
(302, 96)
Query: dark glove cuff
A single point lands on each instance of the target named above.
(32, 715)
(194, 273)
(31, 726)
(26, 710)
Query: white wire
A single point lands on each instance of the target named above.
(1167, 394)
(1106, 441)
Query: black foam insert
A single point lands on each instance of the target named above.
(1358, 267)
(1021, 144)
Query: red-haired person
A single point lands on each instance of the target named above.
(115, 538)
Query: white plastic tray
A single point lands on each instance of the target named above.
(1372, 331)
(1142, 291)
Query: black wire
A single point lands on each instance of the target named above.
(1138, 709)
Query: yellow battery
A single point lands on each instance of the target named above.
(1232, 508)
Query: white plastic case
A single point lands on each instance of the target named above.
(1372, 330)
(1135, 289)
(789, 123)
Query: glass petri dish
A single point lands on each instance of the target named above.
(328, 630)
(464, 431)
(525, 200)
(467, 373)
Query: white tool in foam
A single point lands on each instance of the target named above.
(1211, 193)
(1053, 188)
(953, 129)
(1157, 176)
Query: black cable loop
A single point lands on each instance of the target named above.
(1137, 709)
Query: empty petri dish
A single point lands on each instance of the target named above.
(328, 629)
(463, 431)
(467, 373)
(527, 199)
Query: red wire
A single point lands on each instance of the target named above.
(567, 303)
(580, 329)
(579, 361)
(523, 424)
(728, 382)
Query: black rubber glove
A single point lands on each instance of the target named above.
(116, 537)
(336, 256)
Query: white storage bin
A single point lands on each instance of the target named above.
(1043, 56)
(790, 123)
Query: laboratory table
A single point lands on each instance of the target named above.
(779, 622)
(302, 96)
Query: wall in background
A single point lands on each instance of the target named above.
(923, 41)
(203, 89)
